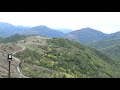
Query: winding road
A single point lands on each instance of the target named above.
(18, 68)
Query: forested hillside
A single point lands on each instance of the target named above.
(64, 58)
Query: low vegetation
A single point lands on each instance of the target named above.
(62, 58)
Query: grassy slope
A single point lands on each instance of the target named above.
(64, 58)
(110, 47)
(104, 43)
(112, 51)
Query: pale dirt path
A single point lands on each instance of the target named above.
(18, 69)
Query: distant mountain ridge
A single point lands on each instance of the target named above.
(87, 35)
(84, 35)
(7, 30)
(43, 31)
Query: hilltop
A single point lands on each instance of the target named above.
(58, 57)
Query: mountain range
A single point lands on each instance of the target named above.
(7, 30)
(108, 44)
(87, 35)
(43, 31)
(84, 35)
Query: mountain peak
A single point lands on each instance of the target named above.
(88, 28)
(42, 26)
(86, 35)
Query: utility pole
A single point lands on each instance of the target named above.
(9, 70)
(9, 61)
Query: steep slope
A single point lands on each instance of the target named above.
(115, 35)
(104, 43)
(46, 58)
(4, 50)
(112, 51)
(43, 31)
(86, 35)
(6, 29)
(110, 47)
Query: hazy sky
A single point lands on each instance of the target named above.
(107, 22)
